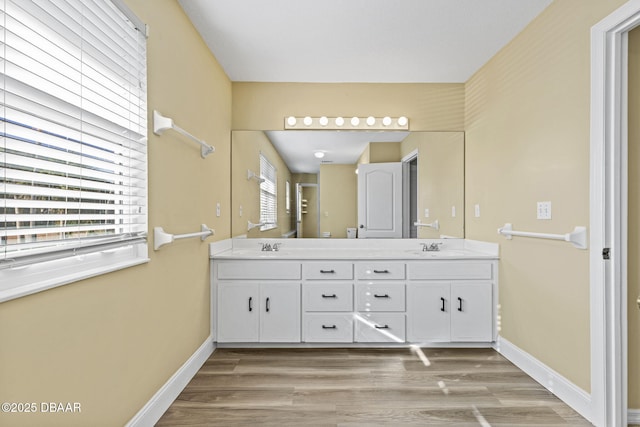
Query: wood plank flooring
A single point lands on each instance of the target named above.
(365, 387)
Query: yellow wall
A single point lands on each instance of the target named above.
(338, 199)
(384, 152)
(245, 194)
(527, 140)
(634, 213)
(111, 342)
(263, 106)
(440, 180)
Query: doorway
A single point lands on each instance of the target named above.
(410, 195)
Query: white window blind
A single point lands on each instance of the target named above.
(74, 130)
(268, 195)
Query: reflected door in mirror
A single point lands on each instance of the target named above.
(380, 200)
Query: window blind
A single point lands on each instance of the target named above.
(268, 195)
(73, 123)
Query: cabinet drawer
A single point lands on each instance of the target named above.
(380, 327)
(380, 270)
(327, 270)
(450, 270)
(380, 297)
(329, 296)
(328, 327)
(260, 270)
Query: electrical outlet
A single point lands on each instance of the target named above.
(476, 209)
(426, 213)
(544, 210)
(218, 209)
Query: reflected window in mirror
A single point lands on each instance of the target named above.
(268, 195)
(287, 196)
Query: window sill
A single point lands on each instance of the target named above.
(28, 280)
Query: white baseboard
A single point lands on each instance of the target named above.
(566, 391)
(160, 402)
(633, 416)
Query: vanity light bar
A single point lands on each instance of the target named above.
(347, 123)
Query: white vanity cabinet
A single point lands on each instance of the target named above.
(251, 310)
(444, 310)
(327, 301)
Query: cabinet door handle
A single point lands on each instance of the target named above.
(382, 327)
(267, 304)
(381, 296)
(459, 304)
(380, 271)
(327, 271)
(329, 327)
(250, 300)
(329, 296)
(442, 308)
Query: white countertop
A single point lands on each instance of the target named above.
(339, 249)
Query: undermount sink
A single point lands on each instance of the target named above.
(437, 254)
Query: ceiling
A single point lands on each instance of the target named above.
(296, 147)
(372, 41)
(376, 41)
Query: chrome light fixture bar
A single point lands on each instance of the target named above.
(346, 123)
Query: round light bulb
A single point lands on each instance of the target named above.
(318, 154)
(307, 121)
(371, 121)
(355, 121)
(402, 121)
(324, 121)
(291, 121)
(386, 121)
(339, 121)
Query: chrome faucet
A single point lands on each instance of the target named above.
(268, 247)
(433, 247)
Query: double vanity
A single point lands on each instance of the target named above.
(315, 292)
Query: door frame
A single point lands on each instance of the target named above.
(608, 214)
(406, 198)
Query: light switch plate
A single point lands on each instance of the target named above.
(426, 213)
(476, 209)
(544, 210)
(218, 209)
(453, 211)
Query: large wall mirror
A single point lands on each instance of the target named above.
(343, 183)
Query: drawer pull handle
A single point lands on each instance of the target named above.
(382, 327)
(459, 304)
(329, 296)
(250, 300)
(380, 271)
(327, 271)
(381, 296)
(267, 305)
(442, 308)
(329, 327)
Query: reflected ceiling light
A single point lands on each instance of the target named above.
(318, 154)
(386, 123)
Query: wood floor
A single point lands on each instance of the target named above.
(365, 387)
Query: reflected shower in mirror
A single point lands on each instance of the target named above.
(326, 198)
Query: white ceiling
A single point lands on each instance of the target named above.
(357, 40)
(296, 147)
(374, 41)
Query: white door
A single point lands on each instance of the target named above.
(280, 312)
(238, 312)
(428, 312)
(380, 200)
(471, 312)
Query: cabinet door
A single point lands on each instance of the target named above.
(471, 311)
(280, 312)
(238, 312)
(428, 312)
